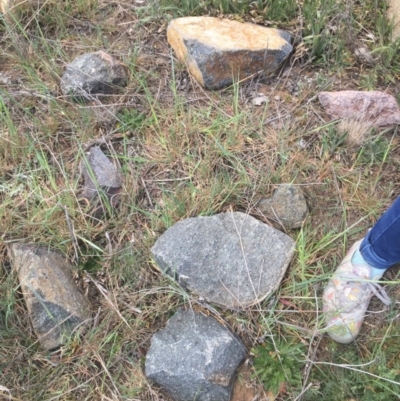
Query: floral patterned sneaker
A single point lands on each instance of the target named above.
(347, 295)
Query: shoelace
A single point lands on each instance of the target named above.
(380, 293)
(354, 281)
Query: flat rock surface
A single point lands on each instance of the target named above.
(287, 206)
(56, 307)
(378, 108)
(231, 259)
(93, 74)
(216, 51)
(194, 358)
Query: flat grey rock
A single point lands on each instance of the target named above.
(93, 74)
(194, 358)
(231, 259)
(55, 305)
(287, 206)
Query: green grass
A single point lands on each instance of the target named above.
(185, 153)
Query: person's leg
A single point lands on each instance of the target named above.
(381, 247)
(348, 293)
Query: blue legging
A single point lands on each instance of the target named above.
(381, 247)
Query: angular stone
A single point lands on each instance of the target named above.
(216, 51)
(287, 206)
(194, 358)
(101, 177)
(55, 305)
(393, 14)
(377, 108)
(93, 74)
(100, 173)
(231, 259)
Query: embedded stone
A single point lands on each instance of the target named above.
(55, 305)
(377, 108)
(101, 177)
(287, 207)
(219, 51)
(194, 358)
(231, 259)
(93, 74)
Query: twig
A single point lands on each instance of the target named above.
(307, 369)
(147, 192)
(351, 367)
(303, 391)
(71, 233)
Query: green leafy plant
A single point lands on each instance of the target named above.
(277, 364)
(332, 141)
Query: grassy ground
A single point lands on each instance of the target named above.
(185, 152)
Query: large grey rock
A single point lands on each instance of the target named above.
(216, 51)
(230, 259)
(287, 206)
(93, 74)
(56, 307)
(374, 107)
(194, 358)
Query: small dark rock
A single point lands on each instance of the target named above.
(93, 74)
(56, 307)
(100, 177)
(194, 358)
(287, 206)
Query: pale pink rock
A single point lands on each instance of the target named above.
(377, 108)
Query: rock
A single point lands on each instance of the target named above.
(287, 206)
(194, 358)
(393, 13)
(7, 6)
(216, 51)
(378, 108)
(56, 307)
(93, 74)
(231, 259)
(100, 177)
(260, 100)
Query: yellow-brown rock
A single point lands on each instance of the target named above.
(394, 16)
(55, 306)
(12, 6)
(219, 51)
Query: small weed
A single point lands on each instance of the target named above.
(369, 81)
(278, 365)
(374, 151)
(332, 141)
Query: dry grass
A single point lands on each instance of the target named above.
(184, 152)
